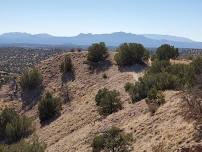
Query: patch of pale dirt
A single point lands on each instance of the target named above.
(182, 61)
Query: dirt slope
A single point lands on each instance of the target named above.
(74, 130)
(79, 118)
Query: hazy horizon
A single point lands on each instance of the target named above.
(69, 18)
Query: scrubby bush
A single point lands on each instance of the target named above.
(156, 96)
(32, 146)
(113, 140)
(129, 87)
(108, 101)
(13, 127)
(160, 81)
(154, 99)
(49, 107)
(97, 52)
(130, 53)
(166, 52)
(185, 74)
(162, 76)
(31, 79)
(158, 66)
(197, 65)
(66, 65)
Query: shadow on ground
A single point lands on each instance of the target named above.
(137, 68)
(69, 76)
(99, 66)
(30, 98)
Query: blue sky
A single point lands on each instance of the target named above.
(71, 17)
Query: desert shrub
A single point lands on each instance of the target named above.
(160, 81)
(154, 99)
(166, 52)
(158, 66)
(184, 74)
(130, 53)
(197, 65)
(30, 79)
(66, 65)
(129, 87)
(193, 101)
(32, 146)
(49, 107)
(97, 52)
(104, 76)
(113, 140)
(162, 76)
(13, 127)
(108, 101)
(189, 57)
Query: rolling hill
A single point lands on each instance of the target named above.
(73, 131)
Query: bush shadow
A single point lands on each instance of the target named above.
(30, 98)
(48, 122)
(138, 68)
(69, 76)
(97, 67)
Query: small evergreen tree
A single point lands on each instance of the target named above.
(97, 52)
(166, 52)
(130, 53)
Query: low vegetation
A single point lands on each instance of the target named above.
(154, 100)
(66, 65)
(162, 75)
(108, 101)
(197, 65)
(131, 53)
(49, 107)
(97, 52)
(113, 140)
(31, 79)
(24, 146)
(16, 60)
(14, 127)
(4, 78)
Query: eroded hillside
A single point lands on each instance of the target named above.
(165, 131)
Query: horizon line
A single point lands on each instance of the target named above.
(55, 35)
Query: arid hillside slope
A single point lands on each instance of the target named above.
(165, 131)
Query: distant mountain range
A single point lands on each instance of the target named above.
(113, 40)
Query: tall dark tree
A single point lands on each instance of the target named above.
(130, 53)
(166, 52)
